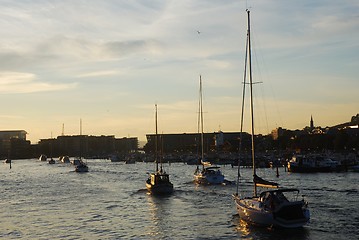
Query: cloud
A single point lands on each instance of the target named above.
(19, 82)
(98, 74)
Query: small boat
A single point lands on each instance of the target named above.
(130, 160)
(81, 167)
(270, 208)
(158, 183)
(64, 159)
(43, 158)
(208, 174)
(51, 161)
(114, 158)
(7, 160)
(76, 162)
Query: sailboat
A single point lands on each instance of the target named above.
(272, 207)
(208, 174)
(158, 183)
(81, 166)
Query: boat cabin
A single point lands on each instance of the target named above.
(159, 178)
(274, 198)
(212, 171)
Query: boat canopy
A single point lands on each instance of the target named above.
(281, 190)
(260, 182)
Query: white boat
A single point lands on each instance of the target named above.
(206, 174)
(7, 160)
(64, 159)
(158, 183)
(270, 208)
(209, 175)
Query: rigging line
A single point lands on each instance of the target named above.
(242, 114)
(156, 141)
(259, 75)
(198, 142)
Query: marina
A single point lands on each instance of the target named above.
(43, 201)
(253, 169)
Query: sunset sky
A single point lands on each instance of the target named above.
(108, 62)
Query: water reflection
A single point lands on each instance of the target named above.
(160, 215)
(248, 231)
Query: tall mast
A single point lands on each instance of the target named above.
(80, 138)
(156, 141)
(251, 99)
(201, 118)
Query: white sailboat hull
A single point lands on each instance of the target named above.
(251, 210)
(209, 175)
(208, 178)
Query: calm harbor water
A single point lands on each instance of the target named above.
(42, 201)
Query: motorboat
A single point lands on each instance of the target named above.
(81, 167)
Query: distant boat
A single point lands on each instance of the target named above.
(76, 162)
(80, 165)
(130, 159)
(207, 174)
(43, 158)
(114, 158)
(158, 183)
(7, 160)
(313, 163)
(64, 159)
(51, 161)
(271, 208)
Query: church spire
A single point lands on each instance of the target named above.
(311, 122)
